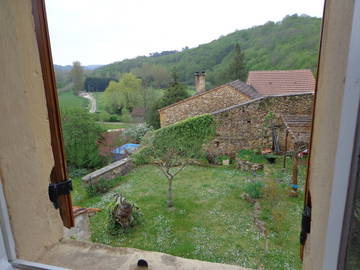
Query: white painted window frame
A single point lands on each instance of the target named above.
(345, 148)
(8, 260)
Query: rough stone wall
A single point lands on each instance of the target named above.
(115, 169)
(242, 126)
(210, 101)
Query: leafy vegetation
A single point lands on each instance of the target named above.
(136, 133)
(174, 93)
(250, 155)
(292, 43)
(122, 96)
(80, 134)
(77, 77)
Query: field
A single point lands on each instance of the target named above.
(210, 220)
(68, 100)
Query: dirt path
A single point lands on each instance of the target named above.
(92, 100)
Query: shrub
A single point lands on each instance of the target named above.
(100, 187)
(250, 155)
(254, 189)
(137, 132)
(125, 116)
(142, 156)
(113, 118)
(81, 133)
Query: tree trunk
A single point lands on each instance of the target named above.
(170, 199)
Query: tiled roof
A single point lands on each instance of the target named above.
(244, 88)
(275, 82)
(238, 85)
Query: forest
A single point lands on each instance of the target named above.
(292, 43)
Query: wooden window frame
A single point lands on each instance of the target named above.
(59, 172)
(347, 157)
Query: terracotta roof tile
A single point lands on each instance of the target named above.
(244, 88)
(275, 82)
(238, 85)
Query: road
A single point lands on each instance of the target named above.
(92, 100)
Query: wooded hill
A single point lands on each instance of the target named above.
(292, 43)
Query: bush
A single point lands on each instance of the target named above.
(137, 132)
(113, 118)
(100, 187)
(250, 155)
(254, 189)
(81, 134)
(142, 156)
(125, 116)
(77, 172)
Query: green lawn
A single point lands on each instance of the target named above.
(210, 220)
(115, 125)
(68, 100)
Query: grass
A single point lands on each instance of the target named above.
(100, 101)
(115, 125)
(210, 220)
(68, 100)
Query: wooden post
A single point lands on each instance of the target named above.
(286, 145)
(295, 173)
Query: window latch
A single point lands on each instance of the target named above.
(305, 224)
(58, 189)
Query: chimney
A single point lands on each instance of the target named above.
(200, 81)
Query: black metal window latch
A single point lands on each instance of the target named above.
(58, 189)
(305, 224)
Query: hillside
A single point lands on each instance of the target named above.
(292, 43)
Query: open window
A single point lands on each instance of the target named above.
(59, 190)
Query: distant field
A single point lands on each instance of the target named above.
(100, 102)
(68, 100)
(115, 125)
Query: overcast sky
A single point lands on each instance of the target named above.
(105, 31)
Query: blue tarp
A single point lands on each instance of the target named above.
(124, 150)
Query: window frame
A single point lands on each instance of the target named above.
(59, 172)
(347, 157)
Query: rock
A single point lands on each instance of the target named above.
(248, 166)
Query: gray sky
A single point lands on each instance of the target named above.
(105, 31)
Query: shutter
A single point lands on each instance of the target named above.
(60, 187)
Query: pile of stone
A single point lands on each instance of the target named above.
(248, 166)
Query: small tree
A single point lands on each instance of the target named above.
(77, 77)
(81, 133)
(174, 93)
(172, 147)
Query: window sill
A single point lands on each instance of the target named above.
(78, 255)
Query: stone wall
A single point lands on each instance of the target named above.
(207, 102)
(115, 169)
(242, 126)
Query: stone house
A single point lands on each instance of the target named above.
(209, 101)
(243, 125)
(240, 108)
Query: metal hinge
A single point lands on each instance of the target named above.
(305, 224)
(58, 189)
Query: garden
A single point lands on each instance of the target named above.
(210, 219)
